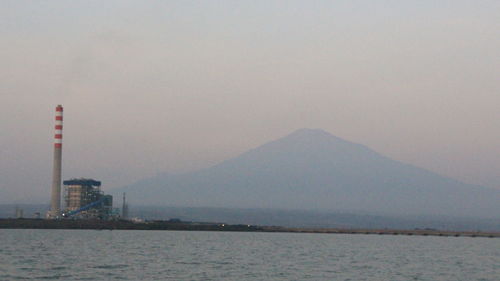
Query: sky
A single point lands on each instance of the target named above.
(153, 87)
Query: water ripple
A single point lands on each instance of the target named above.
(164, 255)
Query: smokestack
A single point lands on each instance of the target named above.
(124, 208)
(55, 202)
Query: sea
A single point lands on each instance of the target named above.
(196, 255)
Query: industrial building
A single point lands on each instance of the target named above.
(84, 199)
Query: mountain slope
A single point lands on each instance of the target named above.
(312, 169)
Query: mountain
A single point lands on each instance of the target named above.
(311, 169)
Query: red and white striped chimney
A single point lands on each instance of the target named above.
(59, 127)
(55, 202)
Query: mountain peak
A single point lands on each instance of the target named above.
(312, 169)
(306, 138)
(311, 133)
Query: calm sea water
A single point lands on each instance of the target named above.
(178, 255)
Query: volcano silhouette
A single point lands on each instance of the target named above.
(311, 169)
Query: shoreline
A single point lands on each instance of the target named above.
(206, 226)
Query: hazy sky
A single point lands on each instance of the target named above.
(171, 86)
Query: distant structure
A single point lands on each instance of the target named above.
(19, 213)
(55, 202)
(85, 200)
(83, 197)
(124, 208)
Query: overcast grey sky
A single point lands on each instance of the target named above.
(171, 86)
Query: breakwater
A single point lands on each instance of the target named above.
(201, 226)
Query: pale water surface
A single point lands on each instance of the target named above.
(179, 255)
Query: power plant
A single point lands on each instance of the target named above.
(83, 197)
(85, 200)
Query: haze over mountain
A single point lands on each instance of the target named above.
(311, 169)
